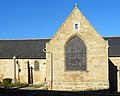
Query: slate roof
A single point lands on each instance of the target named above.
(32, 48)
(114, 46)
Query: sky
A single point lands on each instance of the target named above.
(28, 19)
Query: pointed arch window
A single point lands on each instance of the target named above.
(36, 66)
(75, 55)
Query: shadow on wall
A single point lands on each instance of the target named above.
(112, 76)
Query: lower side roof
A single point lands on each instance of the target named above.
(33, 48)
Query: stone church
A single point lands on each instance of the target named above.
(76, 58)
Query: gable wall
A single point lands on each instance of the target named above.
(96, 75)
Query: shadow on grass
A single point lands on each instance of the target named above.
(18, 92)
(78, 93)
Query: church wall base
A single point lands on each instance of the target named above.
(79, 86)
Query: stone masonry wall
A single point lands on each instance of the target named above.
(7, 69)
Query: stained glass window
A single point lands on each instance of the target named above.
(75, 55)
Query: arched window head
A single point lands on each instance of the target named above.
(36, 66)
(75, 55)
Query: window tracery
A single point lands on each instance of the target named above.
(75, 55)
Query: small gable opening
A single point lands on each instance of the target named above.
(76, 27)
(75, 52)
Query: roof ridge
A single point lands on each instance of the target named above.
(112, 36)
(27, 39)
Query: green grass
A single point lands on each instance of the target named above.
(19, 85)
(36, 85)
(14, 85)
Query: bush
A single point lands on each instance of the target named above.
(6, 81)
(1, 83)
